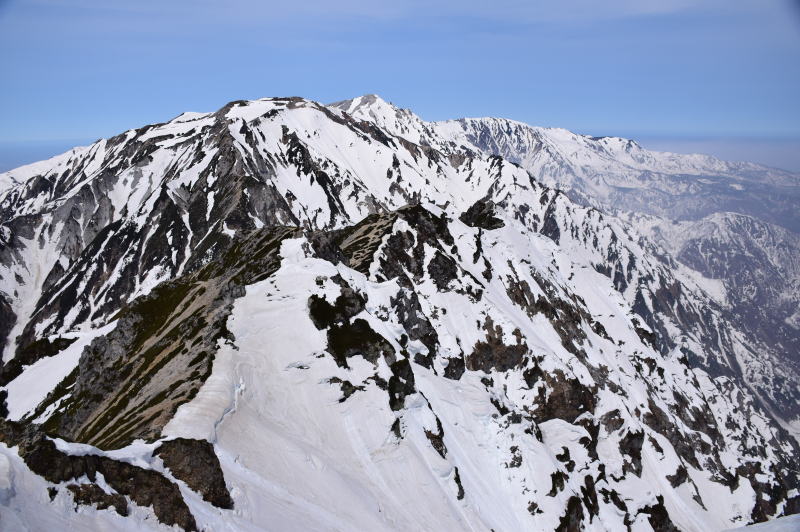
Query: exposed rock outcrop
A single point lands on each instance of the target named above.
(196, 463)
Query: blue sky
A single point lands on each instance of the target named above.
(721, 76)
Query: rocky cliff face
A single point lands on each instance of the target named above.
(368, 325)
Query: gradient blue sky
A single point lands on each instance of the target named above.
(722, 75)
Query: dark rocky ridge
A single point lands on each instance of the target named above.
(144, 487)
(194, 462)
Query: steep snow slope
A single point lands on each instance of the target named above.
(437, 340)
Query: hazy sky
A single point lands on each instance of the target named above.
(710, 73)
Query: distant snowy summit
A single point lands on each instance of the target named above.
(610, 172)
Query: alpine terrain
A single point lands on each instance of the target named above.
(285, 315)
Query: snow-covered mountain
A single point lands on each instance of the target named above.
(286, 315)
(617, 173)
(609, 173)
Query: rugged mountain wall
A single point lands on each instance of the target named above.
(732, 222)
(760, 266)
(372, 328)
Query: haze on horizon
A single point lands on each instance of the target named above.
(712, 77)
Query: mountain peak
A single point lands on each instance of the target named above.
(368, 102)
(386, 115)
